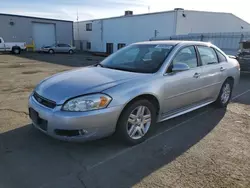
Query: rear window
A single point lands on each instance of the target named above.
(221, 57)
(208, 55)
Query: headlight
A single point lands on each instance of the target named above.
(87, 103)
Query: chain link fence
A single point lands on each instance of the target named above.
(228, 42)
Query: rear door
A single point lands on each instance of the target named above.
(182, 90)
(212, 72)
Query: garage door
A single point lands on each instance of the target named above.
(43, 34)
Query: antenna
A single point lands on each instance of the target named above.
(78, 30)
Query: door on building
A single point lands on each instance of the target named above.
(43, 34)
(109, 48)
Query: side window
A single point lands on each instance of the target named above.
(208, 55)
(0, 40)
(187, 56)
(221, 57)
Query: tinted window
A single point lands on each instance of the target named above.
(144, 58)
(188, 56)
(63, 45)
(208, 55)
(221, 57)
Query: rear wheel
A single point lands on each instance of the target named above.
(225, 94)
(136, 121)
(16, 50)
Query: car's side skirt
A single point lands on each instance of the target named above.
(186, 110)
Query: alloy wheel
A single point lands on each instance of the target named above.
(139, 122)
(226, 92)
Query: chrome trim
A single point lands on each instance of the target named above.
(186, 111)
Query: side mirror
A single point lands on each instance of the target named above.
(178, 67)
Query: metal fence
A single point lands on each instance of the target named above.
(228, 42)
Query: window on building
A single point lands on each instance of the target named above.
(88, 45)
(208, 55)
(120, 45)
(109, 48)
(89, 27)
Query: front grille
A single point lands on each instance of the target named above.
(46, 102)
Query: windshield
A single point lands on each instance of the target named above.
(142, 58)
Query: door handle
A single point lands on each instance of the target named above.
(222, 69)
(197, 75)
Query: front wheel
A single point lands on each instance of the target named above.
(136, 121)
(51, 51)
(71, 51)
(225, 94)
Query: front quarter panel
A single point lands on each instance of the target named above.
(124, 93)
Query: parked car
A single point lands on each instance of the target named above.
(243, 55)
(59, 48)
(131, 90)
(14, 47)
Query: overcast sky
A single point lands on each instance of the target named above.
(92, 9)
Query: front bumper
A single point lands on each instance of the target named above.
(92, 125)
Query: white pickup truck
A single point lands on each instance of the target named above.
(14, 47)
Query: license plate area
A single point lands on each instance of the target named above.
(41, 123)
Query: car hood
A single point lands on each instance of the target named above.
(66, 85)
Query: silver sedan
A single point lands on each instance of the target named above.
(132, 90)
(58, 48)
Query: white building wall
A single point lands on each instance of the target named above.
(208, 22)
(137, 28)
(127, 29)
(94, 36)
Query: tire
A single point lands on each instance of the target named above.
(16, 50)
(71, 51)
(138, 131)
(51, 51)
(225, 94)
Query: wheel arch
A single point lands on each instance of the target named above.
(230, 79)
(148, 96)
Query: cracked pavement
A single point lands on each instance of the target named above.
(205, 148)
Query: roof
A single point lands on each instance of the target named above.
(145, 14)
(174, 42)
(49, 19)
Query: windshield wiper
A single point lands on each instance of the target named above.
(122, 69)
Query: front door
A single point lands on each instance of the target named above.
(182, 89)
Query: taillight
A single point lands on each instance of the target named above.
(238, 65)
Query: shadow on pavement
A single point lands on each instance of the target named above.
(28, 158)
(74, 60)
